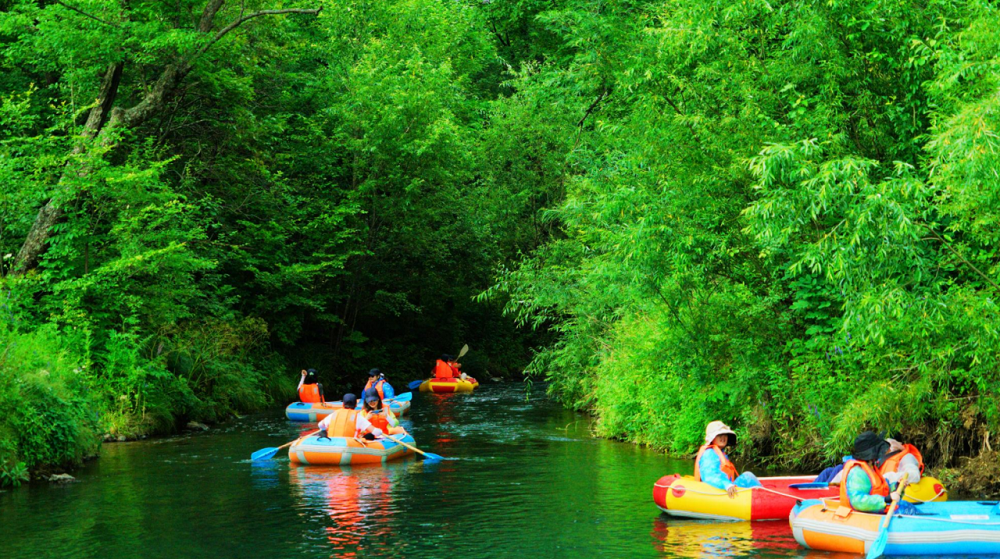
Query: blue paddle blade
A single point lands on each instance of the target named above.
(415, 384)
(431, 457)
(878, 546)
(264, 453)
(404, 397)
(812, 485)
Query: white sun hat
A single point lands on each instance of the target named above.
(717, 428)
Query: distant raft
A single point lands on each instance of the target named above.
(686, 497)
(449, 385)
(942, 528)
(304, 411)
(343, 451)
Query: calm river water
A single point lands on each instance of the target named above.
(524, 479)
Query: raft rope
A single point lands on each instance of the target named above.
(738, 489)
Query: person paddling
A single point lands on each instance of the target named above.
(381, 417)
(378, 384)
(445, 367)
(864, 488)
(712, 465)
(309, 389)
(347, 422)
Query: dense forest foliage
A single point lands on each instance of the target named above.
(779, 214)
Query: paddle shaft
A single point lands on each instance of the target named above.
(879, 546)
(409, 446)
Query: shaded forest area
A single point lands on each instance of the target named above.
(779, 214)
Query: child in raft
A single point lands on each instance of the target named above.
(865, 488)
(381, 417)
(714, 468)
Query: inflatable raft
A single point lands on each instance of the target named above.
(942, 528)
(303, 411)
(686, 497)
(449, 385)
(344, 451)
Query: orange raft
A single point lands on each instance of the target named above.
(686, 497)
(449, 385)
(344, 451)
(304, 411)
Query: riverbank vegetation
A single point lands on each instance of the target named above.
(782, 215)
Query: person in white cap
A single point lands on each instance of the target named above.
(712, 465)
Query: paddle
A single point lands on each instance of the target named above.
(416, 384)
(404, 397)
(430, 456)
(878, 546)
(266, 453)
(810, 485)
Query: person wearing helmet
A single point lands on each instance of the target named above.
(864, 487)
(377, 384)
(347, 422)
(309, 389)
(712, 465)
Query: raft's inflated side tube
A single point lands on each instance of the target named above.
(942, 528)
(926, 490)
(344, 451)
(686, 497)
(449, 385)
(302, 411)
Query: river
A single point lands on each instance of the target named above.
(523, 478)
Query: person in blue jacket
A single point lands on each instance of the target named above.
(378, 384)
(712, 465)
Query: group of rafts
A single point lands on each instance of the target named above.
(341, 445)
(820, 520)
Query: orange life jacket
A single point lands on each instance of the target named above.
(443, 369)
(891, 463)
(309, 393)
(879, 485)
(378, 388)
(378, 420)
(343, 424)
(727, 467)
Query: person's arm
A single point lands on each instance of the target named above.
(388, 390)
(362, 424)
(301, 381)
(711, 471)
(909, 466)
(859, 489)
(325, 423)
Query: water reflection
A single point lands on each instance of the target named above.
(709, 538)
(358, 500)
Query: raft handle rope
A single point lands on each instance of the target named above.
(738, 489)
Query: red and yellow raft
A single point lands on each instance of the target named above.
(686, 497)
(345, 451)
(449, 385)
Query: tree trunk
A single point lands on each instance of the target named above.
(103, 118)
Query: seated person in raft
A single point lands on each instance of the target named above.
(712, 465)
(446, 367)
(899, 459)
(381, 417)
(347, 422)
(864, 488)
(377, 383)
(309, 389)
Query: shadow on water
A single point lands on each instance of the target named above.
(521, 479)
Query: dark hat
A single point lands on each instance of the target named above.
(350, 401)
(374, 373)
(870, 446)
(311, 372)
(373, 398)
